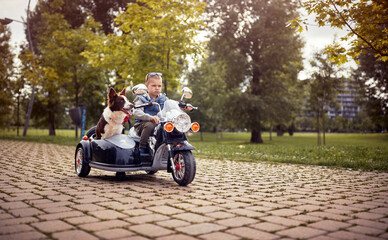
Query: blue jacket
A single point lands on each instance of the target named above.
(151, 110)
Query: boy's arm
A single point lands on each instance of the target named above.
(139, 112)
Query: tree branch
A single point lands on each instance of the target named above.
(353, 31)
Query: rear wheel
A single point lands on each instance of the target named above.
(185, 167)
(151, 172)
(82, 168)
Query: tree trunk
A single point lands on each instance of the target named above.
(216, 128)
(168, 66)
(323, 128)
(76, 85)
(17, 114)
(51, 123)
(256, 136)
(51, 108)
(29, 111)
(318, 130)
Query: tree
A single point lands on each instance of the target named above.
(66, 75)
(104, 11)
(367, 22)
(6, 72)
(153, 36)
(262, 57)
(211, 95)
(372, 78)
(324, 83)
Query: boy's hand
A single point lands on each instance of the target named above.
(188, 108)
(154, 119)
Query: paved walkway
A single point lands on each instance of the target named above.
(42, 198)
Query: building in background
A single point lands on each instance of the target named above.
(348, 108)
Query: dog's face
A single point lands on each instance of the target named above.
(119, 102)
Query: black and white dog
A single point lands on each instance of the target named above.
(111, 121)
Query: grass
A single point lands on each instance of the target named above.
(63, 137)
(355, 151)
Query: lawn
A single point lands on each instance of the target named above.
(355, 151)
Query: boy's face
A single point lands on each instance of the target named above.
(154, 86)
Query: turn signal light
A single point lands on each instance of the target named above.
(85, 138)
(195, 127)
(168, 127)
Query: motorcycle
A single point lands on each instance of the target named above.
(169, 147)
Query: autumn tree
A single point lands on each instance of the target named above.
(6, 72)
(152, 36)
(366, 22)
(66, 77)
(262, 56)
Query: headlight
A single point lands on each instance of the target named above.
(182, 122)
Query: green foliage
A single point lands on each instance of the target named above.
(366, 21)
(324, 86)
(6, 71)
(211, 94)
(371, 78)
(261, 58)
(153, 36)
(63, 76)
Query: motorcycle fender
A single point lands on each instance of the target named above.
(87, 149)
(184, 146)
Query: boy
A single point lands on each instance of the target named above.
(146, 118)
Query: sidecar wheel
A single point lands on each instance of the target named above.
(185, 168)
(82, 168)
(120, 176)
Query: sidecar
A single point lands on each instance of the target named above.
(117, 154)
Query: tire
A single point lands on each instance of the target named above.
(82, 168)
(185, 167)
(91, 132)
(120, 176)
(151, 172)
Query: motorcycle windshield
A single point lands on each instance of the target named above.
(170, 110)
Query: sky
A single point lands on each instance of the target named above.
(316, 38)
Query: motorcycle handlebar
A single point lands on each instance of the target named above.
(184, 105)
(143, 105)
(181, 104)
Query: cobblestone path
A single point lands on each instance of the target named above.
(42, 198)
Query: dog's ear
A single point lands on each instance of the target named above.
(123, 92)
(111, 95)
(112, 92)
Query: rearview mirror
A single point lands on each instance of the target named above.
(186, 93)
(140, 89)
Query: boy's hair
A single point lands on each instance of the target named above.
(153, 75)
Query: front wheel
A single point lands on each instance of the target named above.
(185, 168)
(82, 168)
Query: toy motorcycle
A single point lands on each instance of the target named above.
(169, 147)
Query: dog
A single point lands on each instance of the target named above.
(111, 121)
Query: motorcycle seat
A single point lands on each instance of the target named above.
(132, 133)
